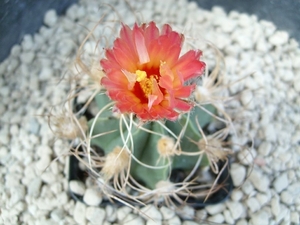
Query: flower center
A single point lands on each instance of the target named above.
(146, 87)
(146, 83)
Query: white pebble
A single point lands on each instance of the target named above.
(46, 73)
(238, 174)
(56, 188)
(242, 222)
(262, 45)
(27, 43)
(228, 218)
(228, 25)
(201, 214)
(294, 189)
(65, 47)
(12, 66)
(72, 11)
(92, 197)
(3, 152)
(295, 217)
(292, 176)
(133, 219)
(270, 133)
(27, 57)
(215, 209)
(43, 163)
(265, 148)
(281, 182)
(296, 61)
(236, 195)
(62, 199)
(283, 214)
(286, 75)
(297, 83)
(14, 130)
(279, 38)
(167, 213)
(244, 20)
(287, 198)
(268, 27)
(244, 41)
(275, 205)
(187, 222)
(17, 194)
(48, 177)
(16, 50)
(262, 199)
(50, 18)
(95, 215)
(57, 215)
(77, 187)
(123, 212)
(34, 187)
(261, 217)
(236, 208)
(175, 220)
(55, 168)
(33, 126)
(253, 204)
(259, 181)
(219, 218)
(111, 213)
(152, 212)
(153, 222)
(4, 138)
(186, 212)
(79, 213)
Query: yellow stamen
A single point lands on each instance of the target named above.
(141, 75)
(146, 83)
(146, 86)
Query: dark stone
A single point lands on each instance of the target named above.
(20, 17)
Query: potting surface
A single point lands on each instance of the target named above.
(265, 62)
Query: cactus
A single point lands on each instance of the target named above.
(152, 107)
(145, 143)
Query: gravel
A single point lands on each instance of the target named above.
(33, 166)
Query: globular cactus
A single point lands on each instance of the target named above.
(155, 148)
(153, 103)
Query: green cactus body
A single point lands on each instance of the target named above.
(147, 166)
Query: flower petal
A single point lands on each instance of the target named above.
(167, 77)
(151, 33)
(182, 105)
(131, 77)
(184, 92)
(166, 29)
(157, 92)
(151, 100)
(127, 36)
(189, 65)
(140, 45)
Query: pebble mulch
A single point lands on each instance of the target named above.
(34, 188)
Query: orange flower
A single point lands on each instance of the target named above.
(146, 75)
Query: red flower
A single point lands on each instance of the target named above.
(146, 75)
